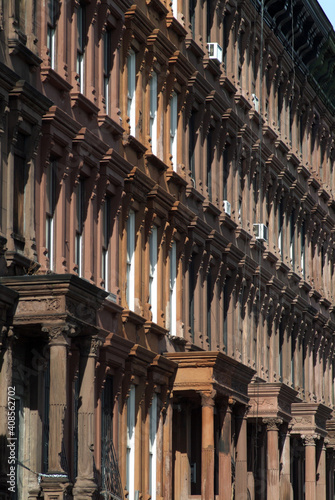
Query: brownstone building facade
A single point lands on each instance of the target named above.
(166, 249)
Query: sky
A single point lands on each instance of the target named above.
(329, 9)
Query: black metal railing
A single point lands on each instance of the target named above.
(110, 480)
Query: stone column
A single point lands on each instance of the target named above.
(167, 451)
(241, 456)
(207, 447)
(272, 425)
(310, 471)
(6, 364)
(321, 472)
(55, 487)
(286, 491)
(85, 486)
(225, 452)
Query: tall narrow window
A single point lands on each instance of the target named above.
(209, 163)
(107, 68)
(131, 109)
(209, 307)
(153, 112)
(173, 129)
(130, 291)
(153, 273)
(302, 248)
(191, 286)
(191, 145)
(81, 46)
(281, 342)
(105, 241)
(174, 6)
(75, 425)
(173, 289)
(191, 6)
(19, 183)
(225, 314)
(130, 459)
(153, 448)
(51, 31)
(225, 174)
(280, 228)
(292, 245)
(80, 196)
(50, 210)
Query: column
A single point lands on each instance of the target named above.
(330, 474)
(321, 472)
(310, 470)
(85, 486)
(272, 425)
(167, 451)
(241, 456)
(207, 446)
(286, 491)
(225, 452)
(55, 487)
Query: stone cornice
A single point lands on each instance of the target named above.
(271, 400)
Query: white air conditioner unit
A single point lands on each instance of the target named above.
(227, 207)
(255, 101)
(215, 52)
(261, 232)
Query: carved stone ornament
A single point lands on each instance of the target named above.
(56, 332)
(207, 398)
(89, 347)
(309, 439)
(272, 424)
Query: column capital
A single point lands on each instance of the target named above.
(207, 398)
(89, 346)
(272, 424)
(58, 333)
(309, 439)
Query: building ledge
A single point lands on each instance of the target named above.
(212, 67)
(194, 47)
(16, 47)
(193, 193)
(51, 76)
(174, 177)
(111, 125)
(133, 317)
(242, 102)
(227, 221)
(78, 99)
(155, 161)
(211, 208)
(135, 144)
(228, 85)
(151, 327)
(176, 26)
(158, 6)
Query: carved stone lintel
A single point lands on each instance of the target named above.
(272, 424)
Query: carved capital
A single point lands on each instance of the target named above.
(309, 439)
(207, 398)
(272, 424)
(89, 347)
(57, 334)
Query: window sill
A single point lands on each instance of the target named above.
(78, 99)
(151, 327)
(155, 161)
(51, 76)
(172, 176)
(242, 102)
(176, 26)
(212, 66)
(158, 6)
(226, 220)
(282, 267)
(294, 277)
(270, 257)
(195, 48)
(211, 208)
(16, 47)
(193, 193)
(132, 317)
(242, 234)
(136, 145)
(303, 285)
(111, 125)
(270, 133)
(228, 85)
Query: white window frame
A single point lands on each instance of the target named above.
(153, 278)
(173, 289)
(174, 8)
(105, 243)
(153, 448)
(79, 230)
(174, 129)
(131, 85)
(280, 228)
(51, 33)
(49, 218)
(153, 112)
(303, 249)
(81, 47)
(130, 457)
(130, 290)
(107, 68)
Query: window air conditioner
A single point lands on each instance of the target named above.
(261, 232)
(215, 52)
(227, 207)
(255, 101)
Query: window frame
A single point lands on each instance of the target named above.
(130, 277)
(174, 130)
(153, 274)
(173, 289)
(131, 91)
